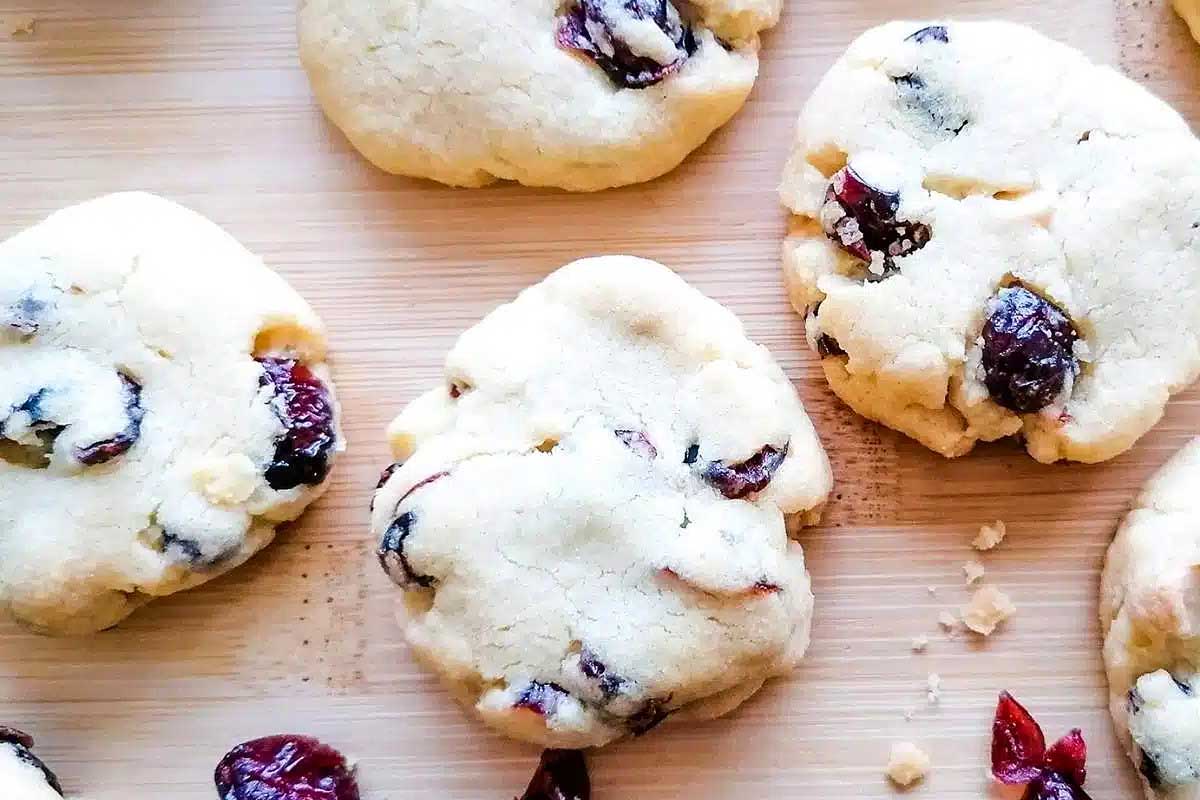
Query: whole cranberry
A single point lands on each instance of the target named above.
(561, 775)
(862, 219)
(1028, 350)
(591, 27)
(304, 406)
(285, 767)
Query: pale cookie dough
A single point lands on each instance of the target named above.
(1189, 10)
(165, 405)
(23, 776)
(1150, 613)
(582, 94)
(995, 236)
(591, 517)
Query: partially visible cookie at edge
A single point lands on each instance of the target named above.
(590, 518)
(582, 95)
(166, 404)
(994, 236)
(1150, 615)
(22, 774)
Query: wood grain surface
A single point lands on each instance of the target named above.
(203, 101)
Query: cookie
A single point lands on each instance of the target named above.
(1189, 10)
(994, 236)
(22, 774)
(590, 518)
(1150, 615)
(166, 404)
(582, 95)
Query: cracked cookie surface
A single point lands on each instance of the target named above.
(590, 519)
(1150, 615)
(993, 236)
(165, 405)
(583, 95)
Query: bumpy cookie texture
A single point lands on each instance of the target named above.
(583, 94)
(165, 405)
(1150, 612)
(591, 517)
(995, 236)
(23, 776)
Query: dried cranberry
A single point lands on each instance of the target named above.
(391, 549)
(861, 218)
(1019, 755)
(592, 667)
(1068, 756)
(304, 406)
(1149, 769)
(384, 477)
(1018, 744)
(285, 767)
(1028, 350)
(766, 587)
(561, 775)
(542, 698)
(828, 346)
(932, 33)
(1053, 786)
(589, 27)
(638, 442)
(107, 449)
(22, 746)
(649, 716)
(691, 454)
(752, 475)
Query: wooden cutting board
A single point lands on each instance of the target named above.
(203, 101)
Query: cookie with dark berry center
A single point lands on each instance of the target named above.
(579, 94)
(165, 405)
(590, 518)
(993, 236)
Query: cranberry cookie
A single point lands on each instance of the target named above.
(1150, 614)
(590, 519)
(583, 94)
(23, 776)
(995, 236)
(165, 405)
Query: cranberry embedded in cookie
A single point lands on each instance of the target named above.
(735, 481)
(1028, 350)
(23, 773)
(304, 406)
(620, 36)
(862, 219)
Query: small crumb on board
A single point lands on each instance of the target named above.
(990, 535)
(933, 688)
(987, 608)
(973, 570)
(919, 643)
(907, 764)
(17, 24)
(948, 621)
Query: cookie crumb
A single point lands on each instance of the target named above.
(931, 589)
(16, 25)
(973, 570)
(933, 685)
(919, 643)
(987, 608)
(907, 764)
(990, 535)
(908, 715)
(948, 621)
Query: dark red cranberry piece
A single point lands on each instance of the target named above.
(1028, 350)
(106, 450)
(610, 684)
(22, 745)
(392, 558)
(1053, 786)
(828, 346)
(861, 218)
(588, 28)
(1018, 744)
(561, 775)
(932, 33)
(752, 475)
(285, 767)
(1149, 769)
(384, 477)
(542, 698)
(1068, 756)
(691, 454)
(638, 442)
(304, 406)
(648, 717)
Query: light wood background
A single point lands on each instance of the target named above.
(203, 101)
